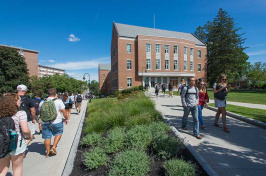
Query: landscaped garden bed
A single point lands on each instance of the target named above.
(127, 136)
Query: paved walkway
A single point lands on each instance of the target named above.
(248, 105)
(35, 162)
(240, 152)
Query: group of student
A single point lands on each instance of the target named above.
(163, 86)
(194, 97)
(18, 115)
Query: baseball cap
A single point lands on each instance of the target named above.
(22, 87)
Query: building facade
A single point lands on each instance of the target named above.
(104, 77)
(31, 58)
(49, 71)
(142, 56)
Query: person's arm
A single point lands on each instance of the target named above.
(197, 97)
(25, 129)
(228, 88)
(63, 111)
(183, 96)
(32, 109)
(206, 98)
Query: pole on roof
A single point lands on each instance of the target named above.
(154, 20)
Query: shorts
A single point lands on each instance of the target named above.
(31, 127)
(19, 149)
(78, 105)
(67, 106)
(38, 119)
(54, 130)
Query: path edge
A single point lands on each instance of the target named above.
(71, 156)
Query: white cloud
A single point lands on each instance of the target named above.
(81, 65)
(42, 61)
(51, 61)
(72, 38)
(255, 53)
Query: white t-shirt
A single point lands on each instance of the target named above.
(179, 86)
(59, 105)
(72, 98)
(20, 116)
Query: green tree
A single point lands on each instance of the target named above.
(13, 70)
(225, 51)
(257, 74)
(94, 86)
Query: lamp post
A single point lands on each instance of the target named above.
(142, 76)
(89, 79)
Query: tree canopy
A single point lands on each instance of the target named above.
(256, 74)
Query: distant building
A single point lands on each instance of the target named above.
(46, 71)
(104, 70)
(141, 55)
(31, 58)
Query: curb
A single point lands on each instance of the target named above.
(71, 157)
(242, 118)
(208, 169)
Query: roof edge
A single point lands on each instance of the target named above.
(20, 48)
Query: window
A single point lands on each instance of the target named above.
(128, 48)
(158, 48)
(129, 82)
(166, 49)
(103, 75)
(191, 51)
(166, 64)
(148, 48)
(199, 53)
(175, 50)
(103, 83)
(191, 66)
(185, 65)
(21, 52)
(158, 64)
(148, 64)
(185, 50)
(199, 67)
(175, 64)
(129, 64)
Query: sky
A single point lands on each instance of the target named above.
(76, 35)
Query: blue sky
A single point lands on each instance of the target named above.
(76, 35)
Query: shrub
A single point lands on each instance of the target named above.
(139, 137)
(179, 167)
(115, 140)
(92, 139)
(130, 162)
(95, 158)
(166, 147)
(158, 128)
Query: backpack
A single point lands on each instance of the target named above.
(6, 124)
(170, 86)
(157, 87)
(36, 104)
(191, 93)
(182, 87)
(48, 111)
(24, 107)
(220, 95)
(79, 98)
(163, 86)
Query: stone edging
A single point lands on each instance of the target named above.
(242, 118)
(71, 157)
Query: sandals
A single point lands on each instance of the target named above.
(203, 127)
(226, 129)
(216, 124)
(185, 128)
(198, 137)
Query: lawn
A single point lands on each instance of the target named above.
(243, 96)
(257, 114)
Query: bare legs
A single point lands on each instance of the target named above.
(17, 162)
(219, 111)
(47, 143)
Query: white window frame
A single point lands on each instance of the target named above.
(176, 64)
(129, 78)
(157, 48)
(159, 64)
(148, 68)
(129, 44)
(185, 50)
(129, 60)
(21, 52)
(185, 65)
(199, 54)
(200, 68)
(176, 49)
(191, 67)
(168, 48)
(191, 51)
(168, 65)
(148, 44)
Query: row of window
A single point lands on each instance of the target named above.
(166, 49)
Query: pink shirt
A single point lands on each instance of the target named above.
(20, 116)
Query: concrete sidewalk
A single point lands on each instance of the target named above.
(35, 162)
(248, 105)
(240, 152)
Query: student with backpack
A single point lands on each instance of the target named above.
(220, 90)
(13, 132)
(170, 87)
(203, 100)
(78, 101)
(157, 88)
(163, 88)
(37, 102)
(190, 101)
(52, 124)
(66, 100)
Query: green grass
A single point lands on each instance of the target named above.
(179, 167)
(257, 114)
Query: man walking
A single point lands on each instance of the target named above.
(53, 127)
(78, 101)
(190, 100)
(28, 106)
(37, 102)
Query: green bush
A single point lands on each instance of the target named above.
(115, 140)
(92, 139)
(95, 158)
(139, 137)
(179, 167)
(158, 128)
(166, 147)
(130, 162)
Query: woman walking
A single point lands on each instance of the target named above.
(203, 99)
(9, 106)
(220, 90)
(66, 100)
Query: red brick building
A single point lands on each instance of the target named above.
(141, 55)
(31, 58)
(104, 77)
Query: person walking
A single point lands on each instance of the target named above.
(163, 88)
(220, 90)
(71, 100)
(203, 100)
(53, 127)
(66, 100)
(78, 101)
(157, 88)
(170, 87)
(28, 106)
(37, 102)
(190, 100)
(9, 107)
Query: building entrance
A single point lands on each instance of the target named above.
(174, 80)
(152, 81)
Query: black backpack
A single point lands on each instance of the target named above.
(24, 107)
(191, 93)
(220, 95)
(6, 124)
(36, 104)
(79, 98)
(182, 87)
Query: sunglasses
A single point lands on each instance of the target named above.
(201, 84)
(224, 79)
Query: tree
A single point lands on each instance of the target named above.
(257, 74)
(13, 70)
(94, 86)
(225, 53)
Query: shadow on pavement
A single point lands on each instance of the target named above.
(37, 147)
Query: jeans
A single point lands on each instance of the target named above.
(200, 107)
(194, 113)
